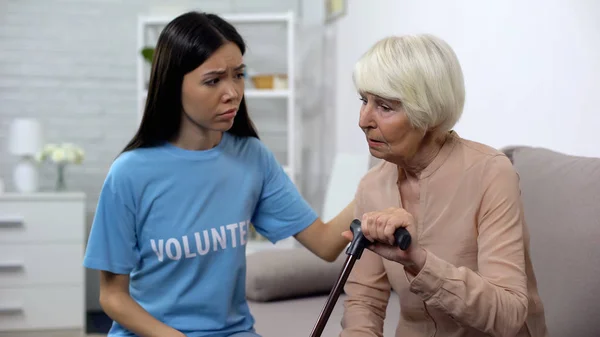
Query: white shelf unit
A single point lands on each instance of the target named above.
(149, 28)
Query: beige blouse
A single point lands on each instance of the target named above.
(478, 279)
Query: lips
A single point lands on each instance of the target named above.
(227, 115)
(374, 143)
(229, 112)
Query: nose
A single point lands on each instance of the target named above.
(366, 120)
(231, 92)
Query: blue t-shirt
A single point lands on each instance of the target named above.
(177, 221)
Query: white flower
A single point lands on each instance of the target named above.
(69, 156)
(63, 153)
(79, 156)
(59, 155)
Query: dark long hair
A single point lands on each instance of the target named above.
(183, 45)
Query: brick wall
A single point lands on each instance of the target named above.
(72, 65)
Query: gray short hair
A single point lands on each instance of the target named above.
(421, 71)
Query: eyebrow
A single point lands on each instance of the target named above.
(222, 71)
(383, 100)
(380, 99)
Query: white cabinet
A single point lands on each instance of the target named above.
(42, 278)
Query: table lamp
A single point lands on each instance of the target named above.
(25, 141)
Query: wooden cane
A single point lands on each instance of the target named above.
(354, 252)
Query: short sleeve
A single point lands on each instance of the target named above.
(281, 211)
(112, 243)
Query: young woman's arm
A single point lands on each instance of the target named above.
(118, 305)
(282, 212)
(325, 239)
(112, 250)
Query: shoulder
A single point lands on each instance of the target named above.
(473, 154)
(376, 180)
(129, 161)
(494, 166)
(251, 150)
(500, 171)
(376, 174)
(127, 168)
(124, 161)
(474, 151)
(373, 189)
(245, 144)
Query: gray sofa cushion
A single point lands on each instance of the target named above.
(561, 196)
(289, 273)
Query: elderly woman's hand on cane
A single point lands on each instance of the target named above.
(380, 227)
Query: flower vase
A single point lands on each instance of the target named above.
(61, 184)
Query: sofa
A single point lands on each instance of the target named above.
(561, 194)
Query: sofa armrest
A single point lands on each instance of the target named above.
(278, 274)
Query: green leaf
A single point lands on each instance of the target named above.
(148, 54)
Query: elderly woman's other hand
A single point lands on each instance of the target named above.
(379, 227)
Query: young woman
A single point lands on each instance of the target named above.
(172, 220)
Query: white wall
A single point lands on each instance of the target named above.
(531, 67)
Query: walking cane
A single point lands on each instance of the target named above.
(354, 252)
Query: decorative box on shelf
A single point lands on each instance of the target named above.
(42, 280)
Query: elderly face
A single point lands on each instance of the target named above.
(388, 131)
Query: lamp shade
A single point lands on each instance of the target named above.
(25, 137)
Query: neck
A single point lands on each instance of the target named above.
(196, 138)
(425, 154)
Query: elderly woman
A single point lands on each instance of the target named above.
(467, 272)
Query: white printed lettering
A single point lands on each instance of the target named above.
(158, 250)
(172, 242)
(232, 228)
(202, 251)
(243, 232)
(186, 248)
(219, 238)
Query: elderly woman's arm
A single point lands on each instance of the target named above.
(368, 292)
(492, 299)
(367, 289)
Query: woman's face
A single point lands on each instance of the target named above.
(388, 131)
(211, 94)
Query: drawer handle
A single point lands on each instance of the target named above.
(11, 221)
(11, 309)
(11, 265)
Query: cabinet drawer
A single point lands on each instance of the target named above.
(42, 308)
(23, 265)
(42, 221)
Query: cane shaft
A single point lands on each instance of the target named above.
(333, 297)
(354, 252)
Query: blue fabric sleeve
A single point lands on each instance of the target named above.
(281, 211)
(112, 243)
